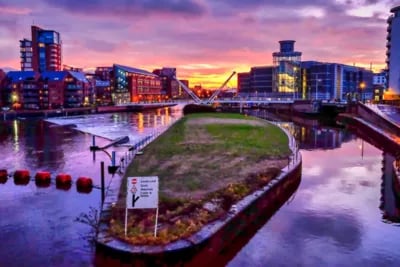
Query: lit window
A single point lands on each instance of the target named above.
(41, 44)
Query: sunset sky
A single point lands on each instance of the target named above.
(204, 39)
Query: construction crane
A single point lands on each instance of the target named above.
(196, 99)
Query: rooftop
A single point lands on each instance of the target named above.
(54, 75)
(80, 76)
(16, 76)
(135, 70)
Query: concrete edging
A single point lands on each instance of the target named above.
(212, 238)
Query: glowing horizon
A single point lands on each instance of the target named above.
(205, 40)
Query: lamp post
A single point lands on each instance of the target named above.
(362, 87)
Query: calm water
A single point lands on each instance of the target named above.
(38, 226)
(342, 214)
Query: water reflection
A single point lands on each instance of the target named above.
(334, 219)
(38, 225)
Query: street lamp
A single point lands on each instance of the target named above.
(362, 87)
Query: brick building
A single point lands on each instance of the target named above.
(133, 85)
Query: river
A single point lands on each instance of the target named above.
(343, 213)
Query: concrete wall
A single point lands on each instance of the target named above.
(371, 116)
(216, 243)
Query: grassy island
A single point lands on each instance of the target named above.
(205, 162)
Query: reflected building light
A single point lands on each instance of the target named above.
(155, 121)
(163, 120)
(140, 122)
(15, 135)
(147, 119)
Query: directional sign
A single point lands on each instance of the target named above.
(142, 192)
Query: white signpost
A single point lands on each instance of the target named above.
(142, 193)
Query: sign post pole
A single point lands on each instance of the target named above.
(155, 226)
(126, 220)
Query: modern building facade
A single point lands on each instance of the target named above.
(42, 52)
(243, 83)
(287, 68)
(333, 81)
(258, 82)
(393, 52)
(133, 85)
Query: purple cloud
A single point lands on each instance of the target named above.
(131, 8)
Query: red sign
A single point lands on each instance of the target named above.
(133, 181)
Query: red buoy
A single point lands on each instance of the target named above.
(20, 174)
(84, 185)
(21, 177)
(43, 179)
(3, 176)
(63, 181)
(42, 176)
(63, 178)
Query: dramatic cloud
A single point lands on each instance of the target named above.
(204, 39)
(131, 8)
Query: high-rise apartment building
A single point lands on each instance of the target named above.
(42, 52)
(393, 51)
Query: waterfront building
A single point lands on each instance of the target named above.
(170, 86)
(261, 80)
(258, 82)
(243, 83)
(379, 84)
(77, 90)
(52, 83)
(49, 89)
(103, 73)
(287, 68)
(380, 78)
(393, 53)
(42, 52)
(20, 86)
(133, 85)
(103, 93)
(333, 81)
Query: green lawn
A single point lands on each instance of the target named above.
(203, 148)
(217, 157)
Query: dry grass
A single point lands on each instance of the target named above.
(209, 158)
